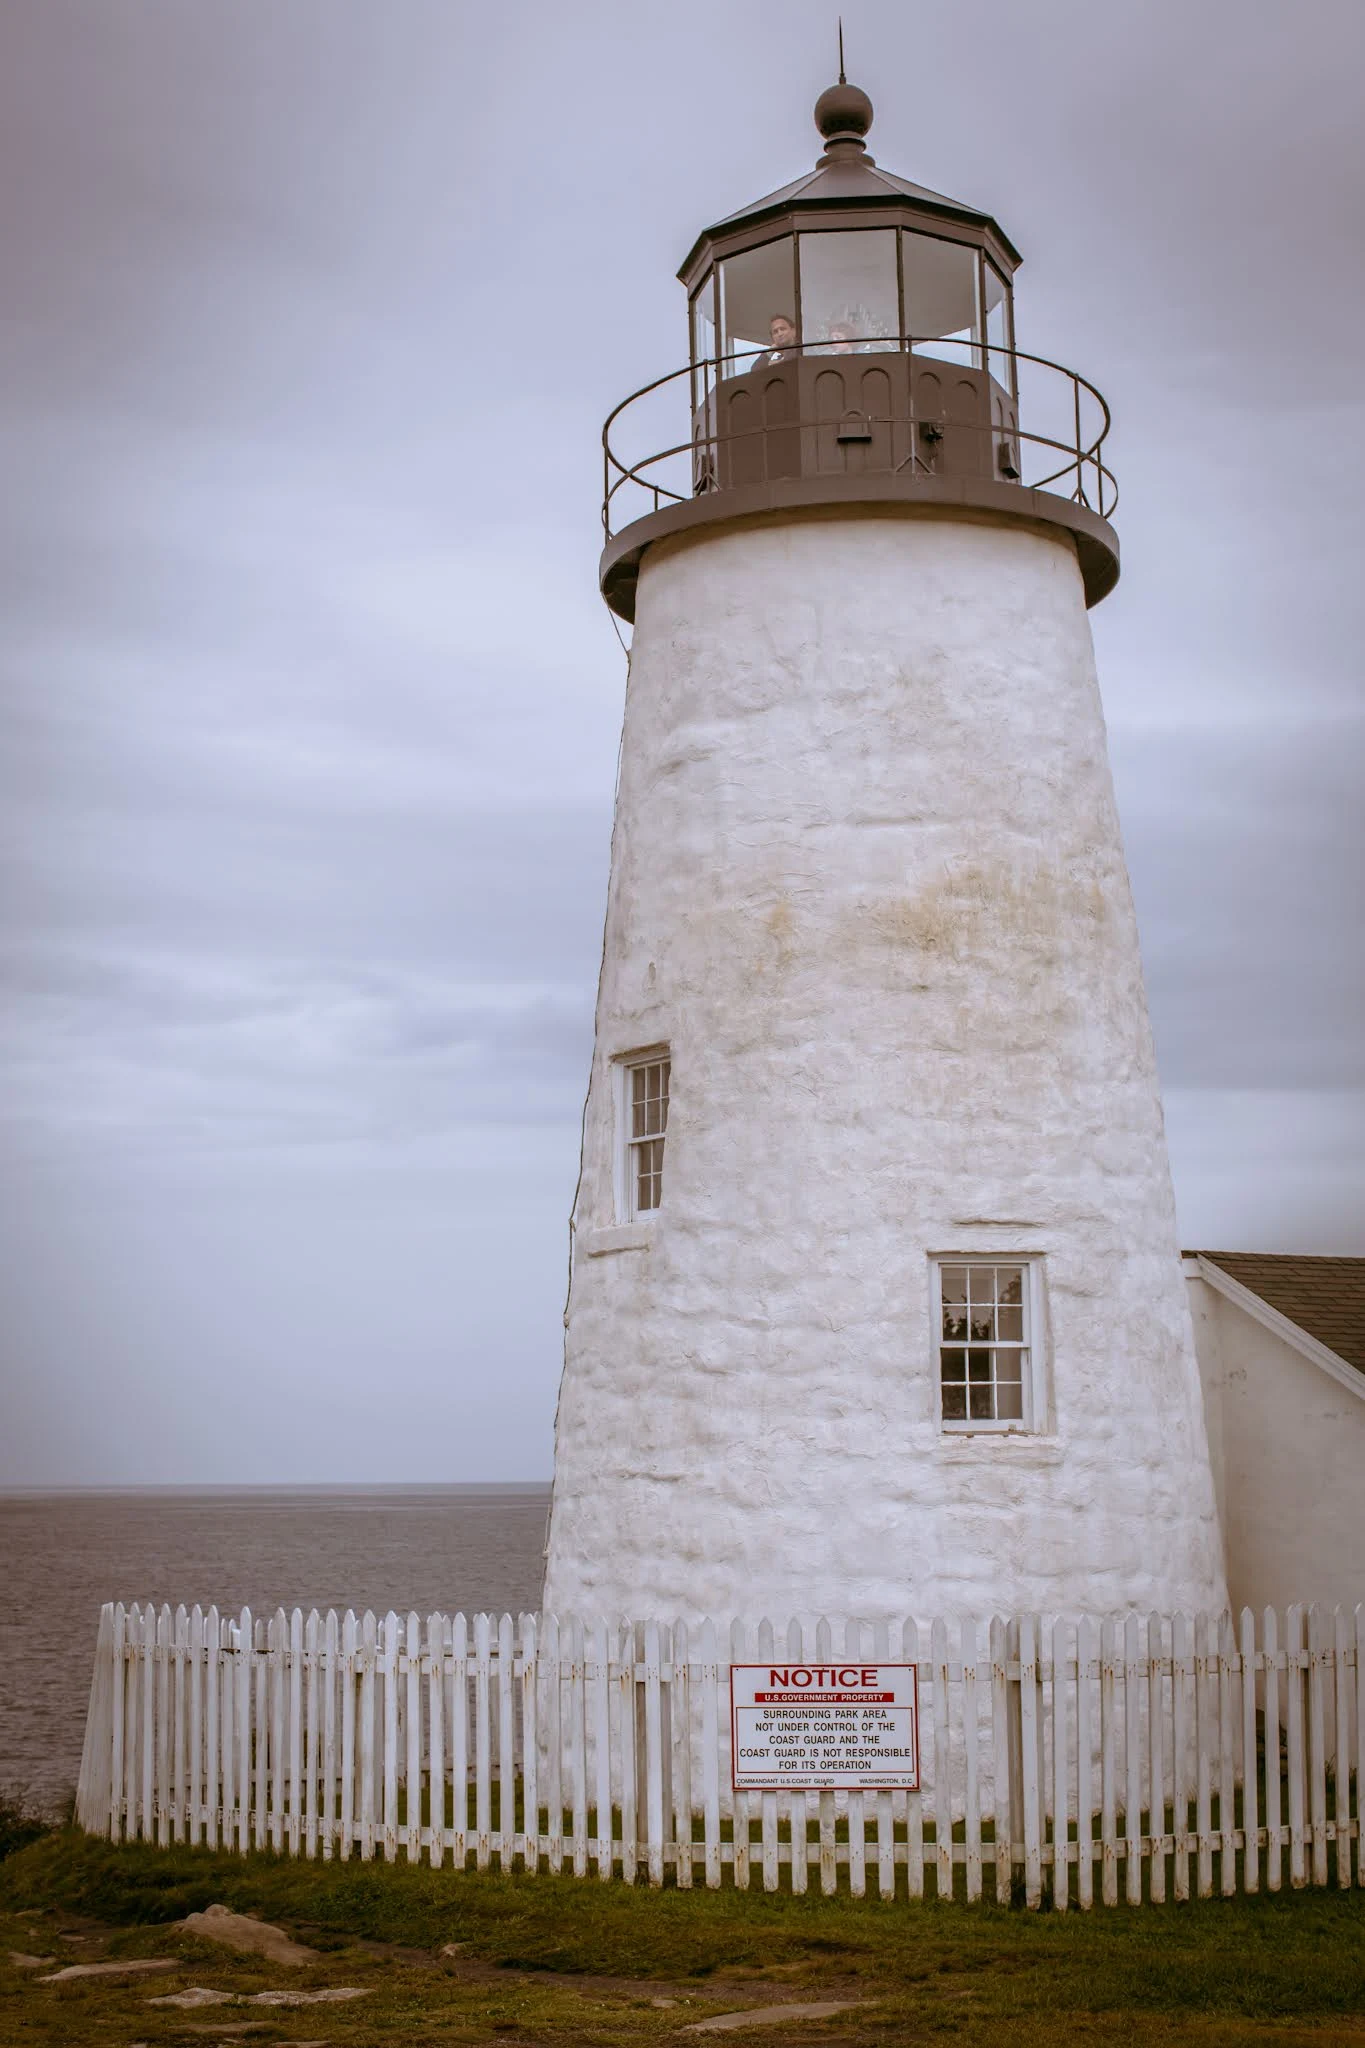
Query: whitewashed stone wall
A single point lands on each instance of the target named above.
(867, 884)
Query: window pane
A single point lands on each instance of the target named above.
(954, 1320)
(1009, 1400)
(954, 1283)
(940, 297)
(649, 1173)
(757, 288)
(954, 1404)
(979, 1366)
(1009, 1324)
(1011, 1283)
(981, 1404)
(848, 290)
(954, 1365)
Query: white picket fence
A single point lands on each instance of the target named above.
(1142, 1758)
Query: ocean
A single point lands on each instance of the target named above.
(63, 1554)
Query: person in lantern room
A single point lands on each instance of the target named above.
(782, 334)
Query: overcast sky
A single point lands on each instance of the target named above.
(310, 311)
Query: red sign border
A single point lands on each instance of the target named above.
(761, 1791)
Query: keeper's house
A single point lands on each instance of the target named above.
(1281, 1349)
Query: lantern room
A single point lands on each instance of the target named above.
(852, 340)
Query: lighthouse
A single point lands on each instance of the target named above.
(875, 1302)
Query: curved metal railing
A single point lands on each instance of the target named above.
(1059, 425)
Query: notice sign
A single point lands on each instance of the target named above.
(815, 1727)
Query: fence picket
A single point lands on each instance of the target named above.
(1206, 1740)
(350, 1764)
(1061, 1855)
(767, 1801)
(436, 1745)
(1227, 1759)
(710, 1752)
(1341, 1744)
(578, 1755)
(627, 1730)
(829, 1866)
(292, 1756)
(229, 1678)
(1182, 1681)
(971, 1743)
(943, 1763)
(1317, 1744)
(554, 1747)
(459, 1738)
(1133, 1690)
(1251, 1812)
(369, 1659)
(681, 1719)
(483, 1746)
(1028, 1736)
(1109, 1865)
(194, 1782)
(1156, 1762)
(411, 1696)
(530, 1747)
(798, 1805)
(507, 1758)
(914, 1806)
(179, 1637)
(312, 1734)
(213, 1652)
(1273, 1845)
(1294, 1743)
(885, 1813)
(739, 1826)
(601, 1749)
(1000, 1712)
(147, 1721)
(654, 1760)
(1085, 1766)
(163, 1727)
(857, 1831)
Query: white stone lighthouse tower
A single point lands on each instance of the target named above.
(876, 1304)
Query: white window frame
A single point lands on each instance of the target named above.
(1035, 1420)
(623, 1164)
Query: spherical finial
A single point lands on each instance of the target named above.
(843, 114)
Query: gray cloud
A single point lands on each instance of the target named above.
(309, 710)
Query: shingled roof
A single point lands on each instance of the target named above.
(1325, 1297)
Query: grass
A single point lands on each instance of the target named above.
(575, 1962)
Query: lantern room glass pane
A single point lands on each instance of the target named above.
(999, 325)
(703, 308)
(848, 291)
(942, 294)
(757, 288)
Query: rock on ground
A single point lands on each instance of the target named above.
(773, 2015)
(256, 1937)
(131, 1967)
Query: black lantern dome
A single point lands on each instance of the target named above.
(852, 341)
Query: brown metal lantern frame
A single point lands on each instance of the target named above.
(819, 425)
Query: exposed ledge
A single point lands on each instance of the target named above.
(618, 1237)
(969, 1446)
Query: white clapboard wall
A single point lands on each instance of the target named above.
(1132, 1757)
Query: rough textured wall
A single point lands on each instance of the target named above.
(867, 884)
(1290, 1455)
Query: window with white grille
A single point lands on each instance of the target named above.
(984, 1313)
(644, 1120)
